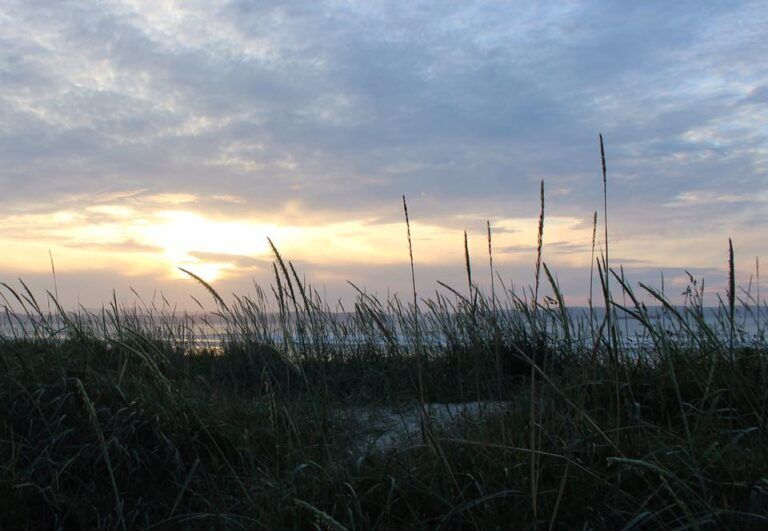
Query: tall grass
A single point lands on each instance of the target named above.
(265, 413)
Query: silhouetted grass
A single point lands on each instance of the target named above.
(118, 420)
(126, 418)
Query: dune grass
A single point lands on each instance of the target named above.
(119, 419)
(125, 418)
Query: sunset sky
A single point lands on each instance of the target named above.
(136, 137)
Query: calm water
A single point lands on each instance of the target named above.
(208, 330)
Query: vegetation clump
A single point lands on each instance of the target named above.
(463, 411)
(113, 421)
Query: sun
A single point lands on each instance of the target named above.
(208, 247)
(208, 271)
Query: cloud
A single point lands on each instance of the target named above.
(325, 111)
(557, 248)
(237, 260)
(123, 246)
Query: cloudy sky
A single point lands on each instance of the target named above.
(136, 137)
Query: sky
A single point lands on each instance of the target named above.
(137, 137)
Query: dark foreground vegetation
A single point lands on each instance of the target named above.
(114, 420)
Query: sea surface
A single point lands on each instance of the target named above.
(211, 330)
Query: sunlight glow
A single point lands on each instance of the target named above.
(201, 244)
(180, 233)
(208, 271)
(134, 235)
(143, 239)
